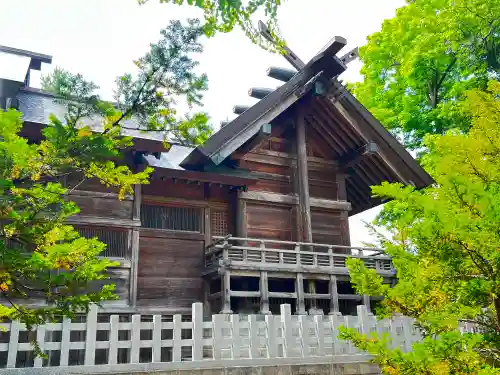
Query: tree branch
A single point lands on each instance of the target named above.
(446, 72)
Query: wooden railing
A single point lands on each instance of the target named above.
(285, 254)
(114, 344)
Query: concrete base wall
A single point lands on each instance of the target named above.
(278, 366)
(319, 369)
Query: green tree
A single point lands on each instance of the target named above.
(418, 67)
(40, 255)
(445, 247)
(225, 15)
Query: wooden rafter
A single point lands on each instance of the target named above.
(329, 124)
(331, 141)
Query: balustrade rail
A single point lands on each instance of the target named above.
(111, 340)
(294, 254)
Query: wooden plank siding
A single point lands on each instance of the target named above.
(169, 270)
(274, 161)
(269, 221)
(328, 227)
(112, 207)
(170, 264)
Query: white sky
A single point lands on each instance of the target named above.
(101, 38)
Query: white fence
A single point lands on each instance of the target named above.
(114, 339)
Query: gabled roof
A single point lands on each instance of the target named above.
(230, 137)
(339, 119)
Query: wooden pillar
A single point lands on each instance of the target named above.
(334, 296)
(207, 225)
(241, 216)
(264, 293)
(303, 179)
(299, 290)
(136, 212)
(312, 290)
(134, 269)
(226, 292)
(207, 311)
(134, 245)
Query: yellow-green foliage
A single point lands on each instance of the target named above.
(446, 249)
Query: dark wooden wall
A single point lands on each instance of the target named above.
(274, 163)
(169, 269)
(170, 262)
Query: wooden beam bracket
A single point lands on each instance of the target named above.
(355, 157)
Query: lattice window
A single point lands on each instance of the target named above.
(220, 225)
(117, 240)
(173, 218)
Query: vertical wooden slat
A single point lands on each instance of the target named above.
(236, 339)
(13, 344)
(65, 343)
(366, 302)
(90, 335)
(407, 334)
(157, 338)
(335, 322)
(362, 313)
(286, 324)
(304, 335)
(113, 339)
(40, 338)
(135, 338)
(272, 344)
(217, 338)
(177, 338)
(197, 334)
(253, 327)
(320, 334)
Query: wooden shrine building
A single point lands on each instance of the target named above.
(258, 215)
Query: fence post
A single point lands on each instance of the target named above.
(65, 341)
(235, 337)
(320, 334)
(407, 333)
(13, 344)
(363, 319)
(286, 324)
(40, 338)
(304, 334)
(157, 338)
(253, 330)
(217, 338)
(177, 337)
(197, 335)
(90, 336)
(113, 339)
(338, 344)
(135, 338)
(272, 347)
